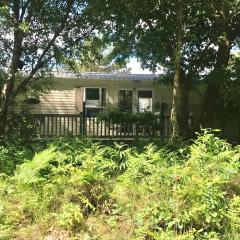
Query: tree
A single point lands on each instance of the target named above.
(225, 20)
(34, 37)
(178, 114)
(228, 104)
(147, 30)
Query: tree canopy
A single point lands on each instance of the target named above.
(37, 35)
(148, 30)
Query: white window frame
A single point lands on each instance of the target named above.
(145, 89)
(100, 96)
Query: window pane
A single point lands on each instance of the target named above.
(92, 93)
(145, 94)
(144, 101)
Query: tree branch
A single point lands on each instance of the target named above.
(24, 8)
(49, 45)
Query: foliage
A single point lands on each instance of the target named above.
(13, 153)
(229, 105)
(147, 30)
(38, 36)
(115, 115)
(81, 189)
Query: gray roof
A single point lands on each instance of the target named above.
(112, 76)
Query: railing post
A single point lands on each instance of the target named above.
(136, 128)
(162, 133)
(84, 119)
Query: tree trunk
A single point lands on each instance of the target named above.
(213, 88)
(12, 91)
(180, 90)
(17, 51)
(6, 104)
(1, 96)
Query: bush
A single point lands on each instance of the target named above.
(71, 217)
(143, 118)
(12, 154)
(103, 192)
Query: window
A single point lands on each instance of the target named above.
(125, 100)
(95, 97)
(144, 101)
(92, 93)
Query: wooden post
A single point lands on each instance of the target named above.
(162, 120)
(79, 100)
(84, 126)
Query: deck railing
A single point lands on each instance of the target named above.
(50, 125)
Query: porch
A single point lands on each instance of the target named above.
(57, 125)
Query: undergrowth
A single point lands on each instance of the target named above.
(78, 189)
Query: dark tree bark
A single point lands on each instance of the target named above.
(17, 51)
(229, 32)
(180, 90)
(213, 88)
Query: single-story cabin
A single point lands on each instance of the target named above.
(128, 92)
(59, 110)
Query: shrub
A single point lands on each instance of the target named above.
(71, 217)
(12, 154)
(187, 192)
(143, 118)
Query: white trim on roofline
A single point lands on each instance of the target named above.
(111, 76)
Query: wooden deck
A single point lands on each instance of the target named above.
(53, 125)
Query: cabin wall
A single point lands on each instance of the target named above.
(163, 94)
(57, 101)
(195, 101)
(67, 95)
(112, 86)
(112, 96)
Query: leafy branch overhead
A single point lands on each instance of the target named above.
(38, 35)
(211, 33)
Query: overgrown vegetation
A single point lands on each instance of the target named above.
(115, 115)
(77, 189)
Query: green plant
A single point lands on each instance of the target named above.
(12, 154)
(84, 188)
(71, 217)
(142, 118)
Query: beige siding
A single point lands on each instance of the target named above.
(112, 97)
(163, 94)
(112, 87)
(68, 94)
(79, 100)
(61, 102)
(68, 84)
